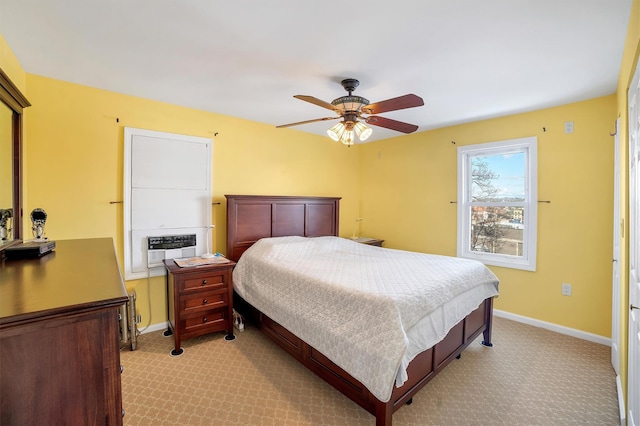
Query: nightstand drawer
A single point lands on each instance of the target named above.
(204, 300)
(205, 322)
(204, 281)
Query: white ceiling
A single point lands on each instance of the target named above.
(468, 59)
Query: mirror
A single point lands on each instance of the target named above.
(13, 102)
(6, 175)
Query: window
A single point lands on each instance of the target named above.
(497, 203)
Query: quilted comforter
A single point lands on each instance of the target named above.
(370, 310)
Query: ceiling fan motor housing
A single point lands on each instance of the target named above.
(350, 84)
(350, 120)
(350, 103)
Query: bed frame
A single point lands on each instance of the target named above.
(250, 218)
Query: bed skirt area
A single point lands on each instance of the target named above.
(424, 367)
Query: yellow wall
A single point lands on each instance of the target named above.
(74, 163)
(410, 182)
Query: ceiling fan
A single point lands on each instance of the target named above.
(351, 109)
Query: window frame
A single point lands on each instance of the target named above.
(529, 146)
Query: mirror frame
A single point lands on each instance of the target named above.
(11, 96)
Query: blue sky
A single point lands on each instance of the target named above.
(511, 168)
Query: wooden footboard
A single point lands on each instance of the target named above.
(421, 370)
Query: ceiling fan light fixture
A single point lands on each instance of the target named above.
(336, 131)
(347, 137)
(345, 132)
(363, 131)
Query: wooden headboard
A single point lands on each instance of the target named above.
(251, 217)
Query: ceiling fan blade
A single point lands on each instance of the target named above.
(388, 123)
(401, 102)
(317, 101)
(307, 121)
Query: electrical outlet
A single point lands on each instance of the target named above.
(568, 126)
(566, 289)
(139, 318)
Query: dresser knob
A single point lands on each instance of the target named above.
(204, 301)
(204, 282)
(204, 319)
(123, 412)
(121, 369)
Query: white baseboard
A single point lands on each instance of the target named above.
(503, 314)
(554, 327)
(623, 410)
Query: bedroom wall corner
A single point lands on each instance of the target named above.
(74, 165)
(416, 176)
(11, 66)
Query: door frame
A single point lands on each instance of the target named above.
(616, 307)
(633, 343)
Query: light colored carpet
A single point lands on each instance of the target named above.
(530, 377)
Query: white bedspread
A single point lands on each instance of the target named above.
(370, 310)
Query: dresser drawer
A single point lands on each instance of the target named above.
(204, 281)
(204, 322)
(204, 300)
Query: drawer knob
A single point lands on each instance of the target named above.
(204, 301)
(121, 368)
(204, 319)
(204, 282)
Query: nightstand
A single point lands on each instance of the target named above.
(200, 301)
(369, 241)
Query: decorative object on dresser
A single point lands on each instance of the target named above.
(5, 224)
(59, 338)
(259, 218)
(200, 300)
(38, 219)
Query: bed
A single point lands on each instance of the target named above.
(378, 352)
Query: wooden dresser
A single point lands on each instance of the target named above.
(59, 337)
(200, 301)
